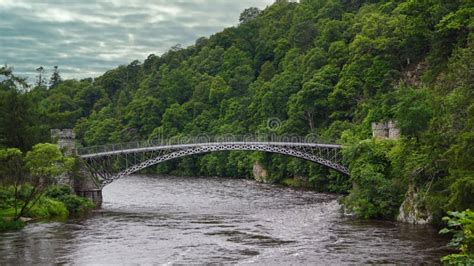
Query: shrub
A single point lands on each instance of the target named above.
(7, 197)
(73, 203)
(48, 208)
(76, 204)
(461, 225)
(462, 191)
(58, 191)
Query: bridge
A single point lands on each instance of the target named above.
(107, 163)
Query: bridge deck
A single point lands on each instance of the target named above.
(119, 149)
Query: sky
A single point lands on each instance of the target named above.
(85, 38)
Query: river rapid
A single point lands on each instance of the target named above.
(182, 220)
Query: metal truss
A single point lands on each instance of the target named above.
(108, 166)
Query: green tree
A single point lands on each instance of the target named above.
(144, 114)
(15, 111)
(40, 79)
(12, 172)
(43, 163)
(219, 90)
(248, 14)
(413, 111)
(55, 78)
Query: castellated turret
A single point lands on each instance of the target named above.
(65, 139)
(385, 130)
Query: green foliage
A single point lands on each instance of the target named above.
(249, 14)
(375, 192)
(77, 205)
(55, 79)
(413, 111)
(58, 202)
(461, 226)
(48, 208)
(11, 165)
(461, 191)
(7, 195)
(28, 178)
(45, 160)
(74, 204)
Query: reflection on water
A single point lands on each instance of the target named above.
(214, 220)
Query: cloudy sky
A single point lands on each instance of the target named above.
(87, 37)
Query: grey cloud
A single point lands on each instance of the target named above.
(87, 38)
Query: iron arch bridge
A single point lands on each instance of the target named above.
(108, 163)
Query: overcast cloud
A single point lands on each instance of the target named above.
(86, 38)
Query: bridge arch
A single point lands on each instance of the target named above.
(326, 155)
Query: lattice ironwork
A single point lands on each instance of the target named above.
(107, 165)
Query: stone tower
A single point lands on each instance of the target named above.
(393, 130)
(65, 139)
(82, 183)
(385, 130)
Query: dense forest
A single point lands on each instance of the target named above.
(325, 67)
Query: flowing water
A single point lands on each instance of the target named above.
(168, 220)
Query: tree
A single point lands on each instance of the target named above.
(267, 71)
(174, 120)
(43, 163)
(12, 172)
(218, 91)
(11, 81)
(60, 110)
(249, 14)
(55, 78)
(40, 79)
(14, 115)
(413, 111)
(144, 114)
(88, 96)
(303, 34)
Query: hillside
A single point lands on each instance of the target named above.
(325, 67)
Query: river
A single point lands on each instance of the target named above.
(176, 220)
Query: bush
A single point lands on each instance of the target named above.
(76, 204)
(58, 191)
(461, 193)
(461, 225)
(73, 203)
(48, 208)
(7, 197)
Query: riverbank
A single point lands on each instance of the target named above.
(58, 202)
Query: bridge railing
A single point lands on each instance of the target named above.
(181, 140)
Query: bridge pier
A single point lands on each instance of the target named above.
(94, 195)
(85, 186)
(81, 181)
